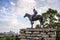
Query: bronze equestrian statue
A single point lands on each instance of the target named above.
(34, 17)
(35, 13)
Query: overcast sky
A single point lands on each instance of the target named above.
(12, 12)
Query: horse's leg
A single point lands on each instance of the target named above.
(31, 24)
(41, 25)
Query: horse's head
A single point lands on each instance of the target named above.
(25, 15)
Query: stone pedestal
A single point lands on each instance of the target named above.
(38, 34)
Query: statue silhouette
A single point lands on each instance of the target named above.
(35, 13)
(34, 17)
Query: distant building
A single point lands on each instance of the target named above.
(2, 36)
(8, 34)
(11, 33)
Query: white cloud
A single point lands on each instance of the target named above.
(22, 7)
(52, 1)
(25, 6)
(3, 10)
(10, 22)
(13, 4)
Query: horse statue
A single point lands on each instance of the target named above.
(37, 17)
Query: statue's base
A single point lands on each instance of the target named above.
(37, 34)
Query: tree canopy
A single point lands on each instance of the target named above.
(51, 18)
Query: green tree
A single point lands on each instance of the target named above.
(10, 37)
(37, 26)
(7, 38)
(52, 20)
(16, 37)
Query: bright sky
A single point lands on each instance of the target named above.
(12, 12)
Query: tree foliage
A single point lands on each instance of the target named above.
(37, 26)
(52, 20)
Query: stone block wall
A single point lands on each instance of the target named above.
(38, 34)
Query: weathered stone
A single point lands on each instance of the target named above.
(37, 34)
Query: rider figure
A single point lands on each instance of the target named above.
(35, 13)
